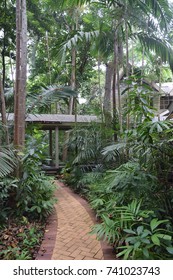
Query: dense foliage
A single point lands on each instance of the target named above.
(89, 57)
(130, 186)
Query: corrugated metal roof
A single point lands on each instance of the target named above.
(55, 118)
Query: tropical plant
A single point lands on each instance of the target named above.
(8, 188)
(147, 241)
(7, 161)
(116, 218)
(35, 194)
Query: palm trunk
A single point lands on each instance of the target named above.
(72, 104)
(21, 69)
(114, 86)
(108, 92)
(73, 80)
(33, 54)
(142, 69)
(48, 57)
(127, 70)
(100, 91)
(119, 96)
(132, 59)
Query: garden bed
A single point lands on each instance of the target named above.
(21, 240)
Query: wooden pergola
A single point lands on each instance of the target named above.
(56, 122)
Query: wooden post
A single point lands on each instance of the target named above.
(50, 146)
(57, 147)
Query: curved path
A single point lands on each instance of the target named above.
(67, 234)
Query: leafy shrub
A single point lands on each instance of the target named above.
(135, 234)
(7, 161)
(116, 218)
(35, 196)
(8, 189)
(147, 241)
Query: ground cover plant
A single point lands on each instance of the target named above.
(20, 240)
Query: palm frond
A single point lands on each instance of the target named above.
(161, 10)
(74, 40)
(49, 95)
(161, 47)
(114, 151)
(7, 162)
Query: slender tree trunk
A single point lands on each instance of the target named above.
(157, 95)
(127, 70)
(107, 108)
(132, 58)
(72, 103)
(4, 46)
(114, 105)
(21, 72)
(119, 95)
(48, 57)
(73, 80)
(33, 54)
(12, 72)
(142, 69)
(100, 91)
(114, 75)
(3, 112)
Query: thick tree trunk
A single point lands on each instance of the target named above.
(21, 72)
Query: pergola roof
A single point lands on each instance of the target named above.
(54, 120)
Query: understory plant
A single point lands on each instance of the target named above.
(31, 195)
(148, 241)
(20, 240)
(35, 194)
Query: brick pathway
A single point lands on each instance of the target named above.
(67, 237)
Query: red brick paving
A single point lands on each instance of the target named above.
(67, 234)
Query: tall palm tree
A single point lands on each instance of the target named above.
(137, 19)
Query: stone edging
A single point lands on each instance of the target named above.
(46, 249)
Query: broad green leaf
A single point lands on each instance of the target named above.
(170, 250)
(140, 229)
(129, 231)
(155, 223)
(164, 236)
(137, 245)
(145, 252)
(155, 239)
